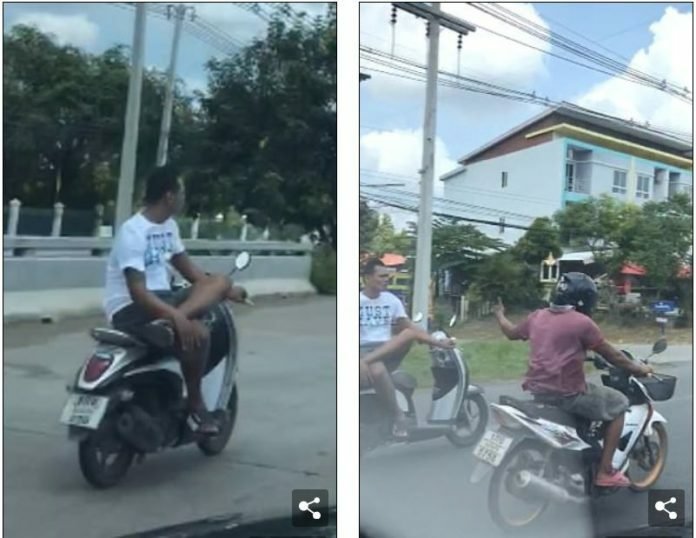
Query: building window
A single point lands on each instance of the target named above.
(643, 190)
(570, 177)
(504, 180)
(674, 186)
(619, 186)
(501, 229)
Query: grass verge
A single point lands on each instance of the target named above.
(487, 361)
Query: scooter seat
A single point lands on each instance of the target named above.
(116, 338)
(541, 410)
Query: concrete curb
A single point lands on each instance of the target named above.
(53, 306)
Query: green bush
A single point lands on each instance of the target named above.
(323, 275)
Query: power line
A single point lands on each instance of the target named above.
(406, 207)
(469, 207)
(619, 69)
(411, 70)
(463, 190)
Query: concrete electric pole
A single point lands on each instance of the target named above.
(163, 146)
(124, 202)
(435, 18)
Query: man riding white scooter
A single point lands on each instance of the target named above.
(138, 296)
(381, 353)
(559, 338)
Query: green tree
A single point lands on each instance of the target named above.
(604, 226)
(541, 238)
(457, 244)
(387, 240)
(664, 235)
(269, 145)
(503, 275)
(369, 220)
(63, 120)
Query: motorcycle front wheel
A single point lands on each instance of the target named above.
(473, 419)
(104, 458)
(649, 456)
(212, 446)
(529, 455)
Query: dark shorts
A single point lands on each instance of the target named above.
(596, 403)
(392, 362)
(133, 317)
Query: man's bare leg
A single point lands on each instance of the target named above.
(382, 382)
(612, 435)
(193, 363)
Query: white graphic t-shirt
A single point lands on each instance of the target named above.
(145, 246)
(377, 317)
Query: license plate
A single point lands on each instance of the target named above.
(492, 447)
(84, 410)
(661, 320)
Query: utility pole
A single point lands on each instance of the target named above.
(124, 202)
(179, 15)
(424, 247)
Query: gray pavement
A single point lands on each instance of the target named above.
(411, 491)
(283, 439)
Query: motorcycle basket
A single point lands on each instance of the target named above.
(659, 388)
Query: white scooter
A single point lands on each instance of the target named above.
(458, 409)
(541, 454)
(129, 399)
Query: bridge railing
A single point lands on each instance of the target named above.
(26, 246)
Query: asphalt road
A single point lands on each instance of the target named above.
(283, 440)
(411, 491)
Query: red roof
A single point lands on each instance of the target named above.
(632, 269)
(392, 260)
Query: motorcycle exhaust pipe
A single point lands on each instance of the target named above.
(531, 484)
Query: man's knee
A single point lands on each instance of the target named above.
(378, 370)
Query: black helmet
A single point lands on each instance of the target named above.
(576, 289)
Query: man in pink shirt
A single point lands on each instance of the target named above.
(559, 338)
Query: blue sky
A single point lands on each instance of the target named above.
(656, 38)
(97, 26)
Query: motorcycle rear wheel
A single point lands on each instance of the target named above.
(212, 446)
(660, 460)
(95, 453)
(499, 484)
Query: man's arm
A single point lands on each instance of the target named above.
(415, 333)
(509, 329)
(183, 263)
(615, 357)
(143, 297)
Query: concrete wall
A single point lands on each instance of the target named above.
(266, 274)
(535, 187)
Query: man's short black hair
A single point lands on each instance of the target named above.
(372, 264)
(162, 180)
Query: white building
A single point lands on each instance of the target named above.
(563, 156)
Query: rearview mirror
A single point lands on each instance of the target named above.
(417, 318)
(659, 346)
(243, 260)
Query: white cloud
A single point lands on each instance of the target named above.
(483, 56)
(75, 30)
(669, 56)
(400, 152)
